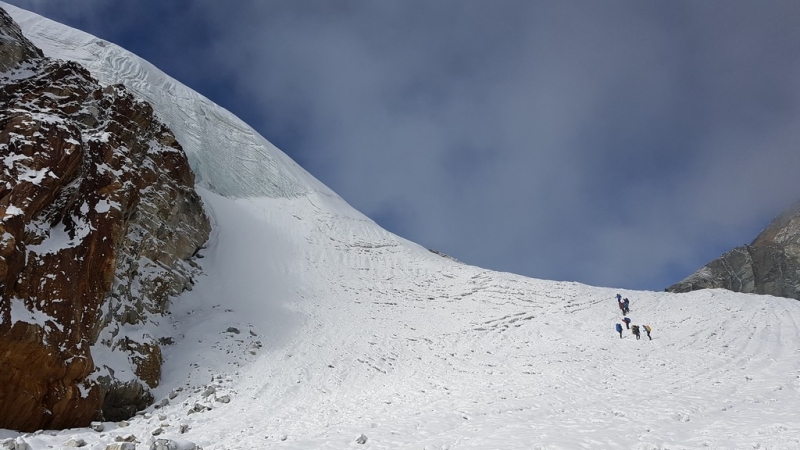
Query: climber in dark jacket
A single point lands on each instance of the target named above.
(635, 331)
(626, 306)
(627, 322)
(619, 330)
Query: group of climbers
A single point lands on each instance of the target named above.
(624, 306)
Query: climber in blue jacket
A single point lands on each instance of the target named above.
(619, 330)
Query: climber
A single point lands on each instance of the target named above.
(619, 330)
(647, 330)
(635, 331)
(627, 322)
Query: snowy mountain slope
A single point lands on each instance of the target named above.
(415, 352)
(314, 326)
(217, 143)
(362, 334)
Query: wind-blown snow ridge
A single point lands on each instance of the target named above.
(227, 156)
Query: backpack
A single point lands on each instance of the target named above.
(635, 329)
(647, 327)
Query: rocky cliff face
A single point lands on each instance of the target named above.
(99, 223)
(769, 265)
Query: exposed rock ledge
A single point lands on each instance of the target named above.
(99, 222)
(769, 265)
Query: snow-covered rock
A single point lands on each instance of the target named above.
(121, 446)
(170, 444)
(75, 442)
(15, 444)
(99, 224)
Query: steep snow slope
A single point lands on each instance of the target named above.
(226, 154)
(418, 352)
(314, 326)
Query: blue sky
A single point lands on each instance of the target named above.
(615, 143)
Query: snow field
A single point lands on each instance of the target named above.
(415, 351)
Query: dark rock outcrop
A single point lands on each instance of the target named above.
(99, 222)
(769, 265)
(14, 47)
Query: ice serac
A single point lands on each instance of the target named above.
(770, 265)
(99, 222)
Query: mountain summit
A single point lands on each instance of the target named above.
(769, 265)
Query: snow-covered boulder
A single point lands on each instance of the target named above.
(121, 446)
(75, 442)
(170, 444)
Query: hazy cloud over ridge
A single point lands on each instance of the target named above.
(621, 143)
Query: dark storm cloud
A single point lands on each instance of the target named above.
(619, 143)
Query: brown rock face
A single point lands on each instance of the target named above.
(769, 265)
(99, 221)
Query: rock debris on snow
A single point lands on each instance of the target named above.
(74, 442)
(209, 390)
(126, 438)
(121, 446)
